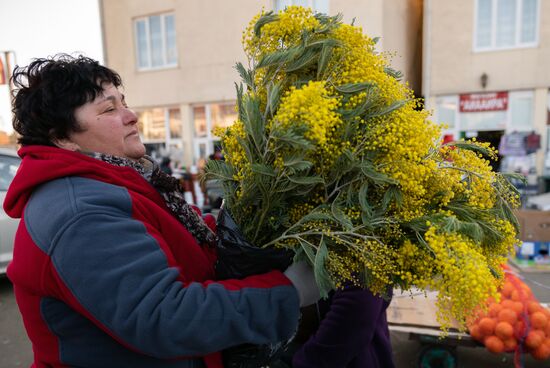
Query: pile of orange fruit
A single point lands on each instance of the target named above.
(518, 323)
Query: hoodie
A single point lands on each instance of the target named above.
(105, 276)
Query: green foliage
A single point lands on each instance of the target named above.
(346, 199)
(321, 275)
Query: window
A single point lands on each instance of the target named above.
(174, 121)
(199, 117)
(516, 115)
(320, 6)
(155, 38)
(447, 109)
(159, 125)
(521, 110)
(504, 24)
(152, 125)
(485, 120)
(223, 115)
(205, 119)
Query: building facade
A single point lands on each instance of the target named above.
(486, 74)
(177, 57)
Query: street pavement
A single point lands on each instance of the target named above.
(15, 349)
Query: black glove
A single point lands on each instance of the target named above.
(237, 258)
(252, 356)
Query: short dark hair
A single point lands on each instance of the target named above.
(48, 91)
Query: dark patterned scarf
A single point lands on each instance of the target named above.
(170, 189)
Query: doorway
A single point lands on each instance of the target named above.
(492, 137)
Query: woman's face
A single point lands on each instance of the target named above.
(108, 127)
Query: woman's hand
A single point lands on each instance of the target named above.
(302, 277)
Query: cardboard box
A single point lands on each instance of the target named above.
(418, 310)
(539, 202)
(534, 225)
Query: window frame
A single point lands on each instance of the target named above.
(519, 23)
(146, 20)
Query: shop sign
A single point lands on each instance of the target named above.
(478, 102)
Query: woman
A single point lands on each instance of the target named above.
(111, 267)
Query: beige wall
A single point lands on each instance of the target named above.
(403, 35)
(368, 14)
(452, 67)
(398, 23)
(209, 43)
(456, 68)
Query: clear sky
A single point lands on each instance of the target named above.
(39, 28)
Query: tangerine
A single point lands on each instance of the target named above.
(533, 306)
(507, 304)
(494, 309)
(510, 344)
(517, 295)
(487, 326)
(518, 307)
(494, 344)
(476, 333)
(542, 352)
(507, 289)
(527, 293)
(538, 320)
(504, 330)
(507, 315)
(534, 339)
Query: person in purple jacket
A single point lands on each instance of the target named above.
(352, 333)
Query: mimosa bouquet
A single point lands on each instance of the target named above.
(335, 160)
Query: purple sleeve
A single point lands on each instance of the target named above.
(354, 332)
